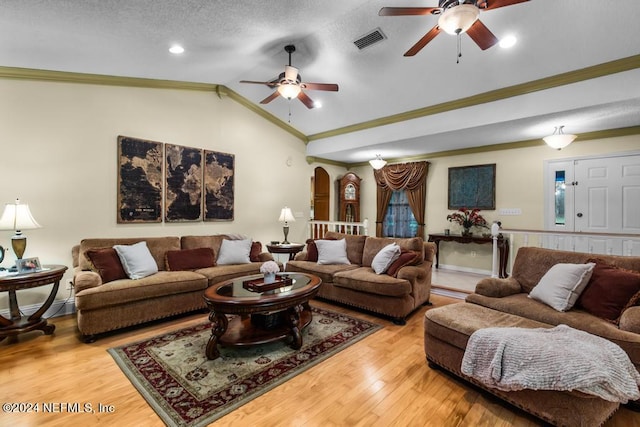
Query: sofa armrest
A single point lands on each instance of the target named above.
(84, 279)
(498, 288)
(420, 278)
(301, 256)
(429, 251)
(630, 320)
(265, 256)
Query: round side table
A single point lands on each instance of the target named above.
(290, 248)
(18, 324)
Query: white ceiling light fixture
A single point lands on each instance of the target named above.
(378, 162)
(289, 90)
(458, 19)
(508, 41)
(559, 139)
(176, 49)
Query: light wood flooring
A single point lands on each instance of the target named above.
(382, 380)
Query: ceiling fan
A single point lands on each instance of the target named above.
(289, 84)
(456, 17)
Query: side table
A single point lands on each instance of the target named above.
(18, 324)
(290, 248)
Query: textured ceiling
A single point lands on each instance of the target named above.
(228, 41)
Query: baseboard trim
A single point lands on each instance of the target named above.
(57, 309)
(448, 293)
(464, 269)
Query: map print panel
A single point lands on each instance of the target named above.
(139, 180)
(218, 182)
(472, 187)
(183, 184)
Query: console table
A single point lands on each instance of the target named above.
(503, 247)
(17, 324)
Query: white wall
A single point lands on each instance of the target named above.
(59, 145)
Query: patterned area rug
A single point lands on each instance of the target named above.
(173, 374)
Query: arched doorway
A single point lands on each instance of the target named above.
(321, 194)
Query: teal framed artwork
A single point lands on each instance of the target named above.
(472, 187)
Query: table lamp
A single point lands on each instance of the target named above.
(17, 216)
(285, 216)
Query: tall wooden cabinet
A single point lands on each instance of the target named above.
(349, 198)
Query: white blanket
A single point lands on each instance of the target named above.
(561, 358)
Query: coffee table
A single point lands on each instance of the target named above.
(262, 317)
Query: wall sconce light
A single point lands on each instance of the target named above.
(378, 162)
(559, 139)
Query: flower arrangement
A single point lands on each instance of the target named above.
(468, 218)
(269, 267)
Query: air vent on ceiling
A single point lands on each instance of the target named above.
(370, 38)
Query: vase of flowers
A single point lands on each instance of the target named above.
(269, 269)
(467, 218)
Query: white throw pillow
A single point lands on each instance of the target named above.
(332, 251)
(136, 260)
(561, 286)
(385, 258)
(234, 252)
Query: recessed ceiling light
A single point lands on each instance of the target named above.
(508, 41)
(176, 49)
(317, 104)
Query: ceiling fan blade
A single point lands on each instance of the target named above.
(423, 41)
(403, 11)
(320, 86)
(494, 4)
(308, 102)
(270, 84)
(481, 35)
(290, 73)
(270, 98)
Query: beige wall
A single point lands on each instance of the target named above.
(59, 156)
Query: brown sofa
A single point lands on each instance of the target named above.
(357, 285)
(505, 303)
(103, 307)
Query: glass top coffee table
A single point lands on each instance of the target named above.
(263, 316)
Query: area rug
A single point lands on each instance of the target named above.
(173, 374)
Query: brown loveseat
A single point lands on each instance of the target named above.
(357, 285)
(505, 303)
(103, 307)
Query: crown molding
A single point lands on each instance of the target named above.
(311, 159)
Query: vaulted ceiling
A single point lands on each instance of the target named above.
(576, 63)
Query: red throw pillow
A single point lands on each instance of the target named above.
(256, 250)
(189, 259)
(406, 258)
(107, 264)
(609, 291)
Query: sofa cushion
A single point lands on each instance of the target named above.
(136, 260)
(332, 252)
(158, 246)
(373, 245)
(406, 258)
(190, 259)
(383, 259)
(355, 245)
(234, 252)
(364, 279)
(123, 291)
(561, 286)
(609, 291)
(213, 242)
(220, 273)
(324, 272)
(107, 264)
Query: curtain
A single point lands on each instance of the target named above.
(410, 177)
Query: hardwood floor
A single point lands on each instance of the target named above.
(382, 380)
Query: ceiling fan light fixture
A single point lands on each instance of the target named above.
(458, 19)
(378, 162)
(289, 90)
(559, 139)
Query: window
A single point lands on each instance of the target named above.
(560, 188)
(399, 220)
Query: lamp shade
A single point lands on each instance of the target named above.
(17, 216)
(559, 139)
(458, 19)
(378, 162)
(286, 215)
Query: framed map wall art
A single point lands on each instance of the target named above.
(139, 180)
(218, 186)
(183, 183)
(472, 187)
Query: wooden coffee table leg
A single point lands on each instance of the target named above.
(219, 323)
(293, 317)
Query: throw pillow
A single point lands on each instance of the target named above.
(234, 252)
(609, 291)
(561, 286)
(312, 249)
(256, 250)
(136, 260)
(107, 264)
(406, 258)
(189, 259)
(383, 259)
(332, 251)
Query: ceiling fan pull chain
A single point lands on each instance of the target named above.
(459, 48)
(289, 102)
